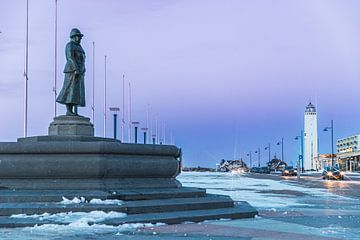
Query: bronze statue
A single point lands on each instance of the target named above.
(73, 90)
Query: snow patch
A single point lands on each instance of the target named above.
(83, 227)
(107, 201)
(74, 218)
(77, 200)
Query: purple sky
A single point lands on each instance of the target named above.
(225, 76)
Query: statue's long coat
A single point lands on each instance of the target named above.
(73, 90)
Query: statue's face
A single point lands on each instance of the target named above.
(77, 38)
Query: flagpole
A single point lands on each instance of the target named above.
(55, 61)
(105, 100)
(157, 128)
(130, 120)
(123, 109)
(26, 72)
(164, 133)
(93, 86)
(148, 123)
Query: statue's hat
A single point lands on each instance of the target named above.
(75, 32)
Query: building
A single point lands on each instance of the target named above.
(349, 161)
(231, 165)
(276, 164)
(323, 160)
(310, 137)
(348, 144)
(348, 153)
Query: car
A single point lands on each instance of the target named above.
(332, 173)
(255, 170)
(265, 170)
(289, 171)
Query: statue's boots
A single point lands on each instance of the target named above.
(69, 111)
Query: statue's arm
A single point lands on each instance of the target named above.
(70, 57)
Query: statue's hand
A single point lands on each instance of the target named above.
(77, 72)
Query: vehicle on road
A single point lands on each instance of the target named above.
(255, 170)
(332, 173)
(265, 170)
(289, 171)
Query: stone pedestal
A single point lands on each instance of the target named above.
(71, 126)
(37, 172)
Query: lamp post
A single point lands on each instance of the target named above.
(301, 155)
(282, 148)
(145, 131)
(136, 124)
(332, 141)
(153, 138)
(249, 154)
(115, 110)
(268, 148)
(258, 152)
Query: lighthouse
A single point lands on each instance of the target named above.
(310, 137)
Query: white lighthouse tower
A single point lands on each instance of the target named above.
(310, 137)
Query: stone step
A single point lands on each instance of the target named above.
(10, 196)
(163, 193)
(22, 196)
(129, 207)
(210, 201)
(241, 210)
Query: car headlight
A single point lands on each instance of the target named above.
(329, 173)
(342, 173)
(286, 171)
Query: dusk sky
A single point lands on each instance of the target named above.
(226, 77)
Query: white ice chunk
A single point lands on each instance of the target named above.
(75, 200)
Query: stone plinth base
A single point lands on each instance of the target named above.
(87, 160)
(71, 126)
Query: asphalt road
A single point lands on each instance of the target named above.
(350, 187)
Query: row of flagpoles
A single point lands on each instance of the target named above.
(158, 134)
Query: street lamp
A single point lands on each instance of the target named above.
(249, 154)
(145, 131)
(282, 148)
(258, 152)
(115, 110)
(136, 124)
(268, 148)
(301, 155)
(332, 140)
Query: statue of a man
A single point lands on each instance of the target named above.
(73, 90)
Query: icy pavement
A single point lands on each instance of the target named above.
(287, 210)
(260, 193)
